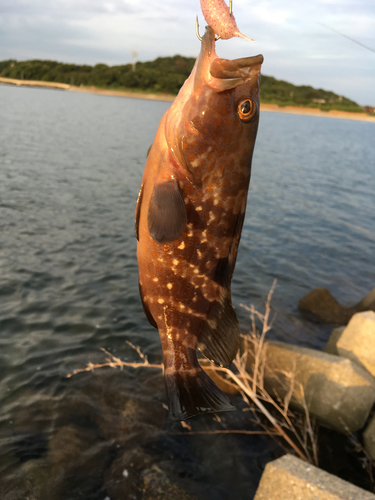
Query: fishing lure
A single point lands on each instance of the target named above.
(221, 19)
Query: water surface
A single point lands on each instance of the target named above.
(70, 170)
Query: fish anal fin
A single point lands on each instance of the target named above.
(166, 216)
(194, 394)
(219, 338)
(138, 211)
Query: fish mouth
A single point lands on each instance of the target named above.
(223, 74)
(223, 68)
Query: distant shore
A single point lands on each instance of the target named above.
(299, 110)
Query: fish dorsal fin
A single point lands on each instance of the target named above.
(219, 338)
(166, 216)
(138, 211)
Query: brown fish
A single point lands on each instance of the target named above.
(189, 217)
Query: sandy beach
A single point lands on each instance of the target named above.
(169, 98)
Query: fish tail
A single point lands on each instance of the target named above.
(191, 391)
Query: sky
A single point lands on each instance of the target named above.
(327, 44)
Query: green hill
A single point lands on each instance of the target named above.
(166, 75)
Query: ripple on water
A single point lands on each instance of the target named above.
(68, 286)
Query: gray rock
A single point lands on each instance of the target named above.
(331, 346)
(322, 304)
(357, 341)
(337, 391)
(289, 478)
(369, 438)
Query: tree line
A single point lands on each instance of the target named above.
(165, 75)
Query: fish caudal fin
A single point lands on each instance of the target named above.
(194, 394)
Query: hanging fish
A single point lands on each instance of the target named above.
(188, 223)
(221, 19)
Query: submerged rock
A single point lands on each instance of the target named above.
(322, 304)
(72, 468)
(294, 479)
(338, 392)
(157, 486)
(134, 475)
(123, 478)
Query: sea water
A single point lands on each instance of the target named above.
(70, 169)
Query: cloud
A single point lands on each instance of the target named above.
(301, 41)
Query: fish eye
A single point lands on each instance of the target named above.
(247, 109)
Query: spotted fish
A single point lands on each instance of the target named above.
(188, 223)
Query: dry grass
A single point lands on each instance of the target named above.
(293, 430)
(273, 413)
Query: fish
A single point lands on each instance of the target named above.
(188, 222)
(217, 15)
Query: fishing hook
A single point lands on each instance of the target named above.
(216, 37)
(197, 31)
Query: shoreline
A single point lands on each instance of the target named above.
(297, 110)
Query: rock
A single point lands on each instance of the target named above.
(322, 304)
(337, 391)
(134, 475)
(157, 486)
(75, 462)
(289, 478)
(126, 417)
(40, 483)
(123, 478)
(369, 437)
(331, 347)
(357, 341)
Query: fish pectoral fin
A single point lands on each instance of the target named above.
(166, 216)
(146, 310)
(219, 338)
(138, 211)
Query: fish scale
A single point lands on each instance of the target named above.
(189, 218)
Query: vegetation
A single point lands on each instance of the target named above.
(165, 75)
(286, 94)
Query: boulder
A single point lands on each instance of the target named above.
(322, 304)
(369, 437)
(338, 392)
(289, 478)
(331, 347)
(357, 341)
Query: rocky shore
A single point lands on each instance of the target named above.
(338, 386)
